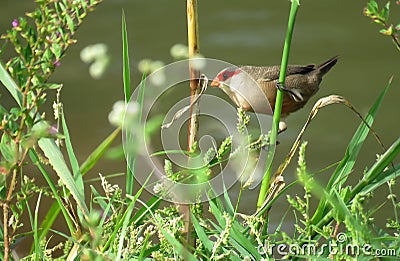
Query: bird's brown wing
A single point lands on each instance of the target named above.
(272, 72)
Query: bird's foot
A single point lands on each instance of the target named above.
(282, 127)
(295, 93)
(281, 87)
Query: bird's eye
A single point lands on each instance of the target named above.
(225, 75)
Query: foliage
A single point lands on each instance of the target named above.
(333, 221)
(38, 42)
(381, 17)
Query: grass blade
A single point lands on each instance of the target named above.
(127, 93)
(125, 59)
(36, 239)
(56, 159)
(347, 163)
(208, 244)
(124, 228)
(178, 247)
(85, 167)
(11, 86)
(374, 174)
(52, 213)
(72, 158)
(98, 152)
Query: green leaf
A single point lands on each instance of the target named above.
(237, 239)
(372, 6)
(381, 179)
(27, 52)
(72, 158)
(123, 217)
(228, 203)
(3, 111)
(52, 213)
(208, 244)
(48, 55)
(178, 247)
(150, 205)
(127, 93)
(98, 152)
(124, 229)
(10, 85)
(99, 199)
(56, 159)
(125, 58)
(115, 153)
(35, 228)
(385, 11)
(387, 31)
(297, 2)
(8, 148)
(51, 86)
(347, 163)
(378, 168)
(70, 23)
(57, 50)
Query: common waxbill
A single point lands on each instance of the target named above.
(249, 86)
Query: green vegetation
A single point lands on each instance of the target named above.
(333, 221)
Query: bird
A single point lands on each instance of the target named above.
(249, 87)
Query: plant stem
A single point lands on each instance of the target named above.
(278, 103)
(6, 216)
(5, 231)
(193, 46)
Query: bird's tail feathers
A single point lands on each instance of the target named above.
(327, 65)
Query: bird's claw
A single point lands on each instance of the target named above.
(293, 92)
(281, 87)
(282, 127)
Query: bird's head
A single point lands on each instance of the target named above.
(225, 76)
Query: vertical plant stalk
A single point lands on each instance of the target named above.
(127, 94)
(278, 102)
(193, 46)
(7, 239)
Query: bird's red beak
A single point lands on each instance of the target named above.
(216, 83)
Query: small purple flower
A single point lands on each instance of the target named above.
(57, 63)
(15, 23)
(53, 130)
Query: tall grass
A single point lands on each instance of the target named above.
(117, 224)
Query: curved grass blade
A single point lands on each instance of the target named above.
(351, 154)
(10, 85)
(98, 152)
(72, 158)
(208, 244)
(56, 159)
(85, 167)
(52, 213)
